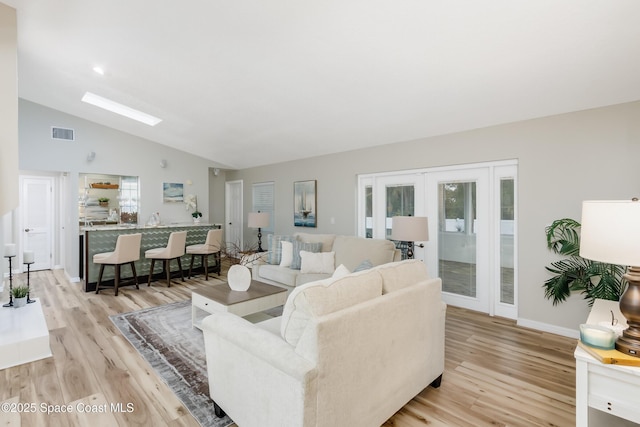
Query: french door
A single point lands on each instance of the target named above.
(389, 196)
(459, 208)
(471, 211)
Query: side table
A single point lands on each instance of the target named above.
(613, 389)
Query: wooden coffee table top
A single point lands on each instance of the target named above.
(223, 294)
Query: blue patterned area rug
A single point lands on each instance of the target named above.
(165, 338)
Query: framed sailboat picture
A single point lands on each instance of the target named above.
(304, 203)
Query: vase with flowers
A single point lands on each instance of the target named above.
(191, 202)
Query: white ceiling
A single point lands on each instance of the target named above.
(251, 82)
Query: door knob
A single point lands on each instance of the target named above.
(27, 230)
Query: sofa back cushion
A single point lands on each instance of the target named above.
(352, 251)
(316, 299)
(399, 275)
(325, 239)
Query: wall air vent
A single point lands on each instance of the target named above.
(62, 133)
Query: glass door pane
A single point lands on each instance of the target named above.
(457, 237)
(507, 212)
(368, 211)
(400, 201)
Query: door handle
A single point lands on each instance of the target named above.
(27, 230)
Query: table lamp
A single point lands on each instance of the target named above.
(610, 233)
(259, 220)
(409, 229)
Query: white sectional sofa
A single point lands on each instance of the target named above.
(352, 252)
(347, 351)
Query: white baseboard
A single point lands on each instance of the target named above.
(71, 279)
(546, 327)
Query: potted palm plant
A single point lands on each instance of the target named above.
(574, 273)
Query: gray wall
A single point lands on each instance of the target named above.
(9, 126)
(563, 160)
(117, 153)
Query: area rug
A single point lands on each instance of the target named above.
(165, 338)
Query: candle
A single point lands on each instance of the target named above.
(597, 336)
(10, 249)
(27, 257)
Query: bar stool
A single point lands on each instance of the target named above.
(173, 250)
(211, 246)
(127, 251)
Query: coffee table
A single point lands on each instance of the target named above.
(220, 298)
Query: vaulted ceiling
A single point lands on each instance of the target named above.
(252, 82)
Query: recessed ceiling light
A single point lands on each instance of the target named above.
(99, 70)
(123, 110)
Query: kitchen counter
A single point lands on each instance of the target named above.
(140, 227)
(102, 238)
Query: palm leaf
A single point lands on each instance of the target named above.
(593, 279)
(562, 237)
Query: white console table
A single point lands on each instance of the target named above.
(613, 389)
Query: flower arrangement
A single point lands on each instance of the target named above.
(191, 202)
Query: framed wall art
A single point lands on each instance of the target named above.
(172, 192)
(304, 204)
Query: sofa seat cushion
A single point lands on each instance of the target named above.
(399, 275)
(326, 296)
(287, 276)
(352, 251)
(275, 273)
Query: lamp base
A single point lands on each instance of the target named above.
(629, 342)
(627, 346)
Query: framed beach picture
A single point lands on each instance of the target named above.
(172, 192)
(304, 204)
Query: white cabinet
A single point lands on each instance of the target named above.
(612, 389)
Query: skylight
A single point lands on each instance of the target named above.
(123, 110)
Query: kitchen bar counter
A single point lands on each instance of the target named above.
(102, 238)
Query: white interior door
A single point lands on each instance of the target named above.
(36, 218)
(234, 214)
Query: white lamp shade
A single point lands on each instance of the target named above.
(258, 219)
(610, 231)
(410, 228)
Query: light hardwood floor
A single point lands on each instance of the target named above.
(496, 373)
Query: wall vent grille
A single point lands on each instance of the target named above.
(62, 133)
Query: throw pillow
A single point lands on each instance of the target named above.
(364, 265)
(275, 249)
(341, 271)
(298, 246)
(321, 262)
(287, 254)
